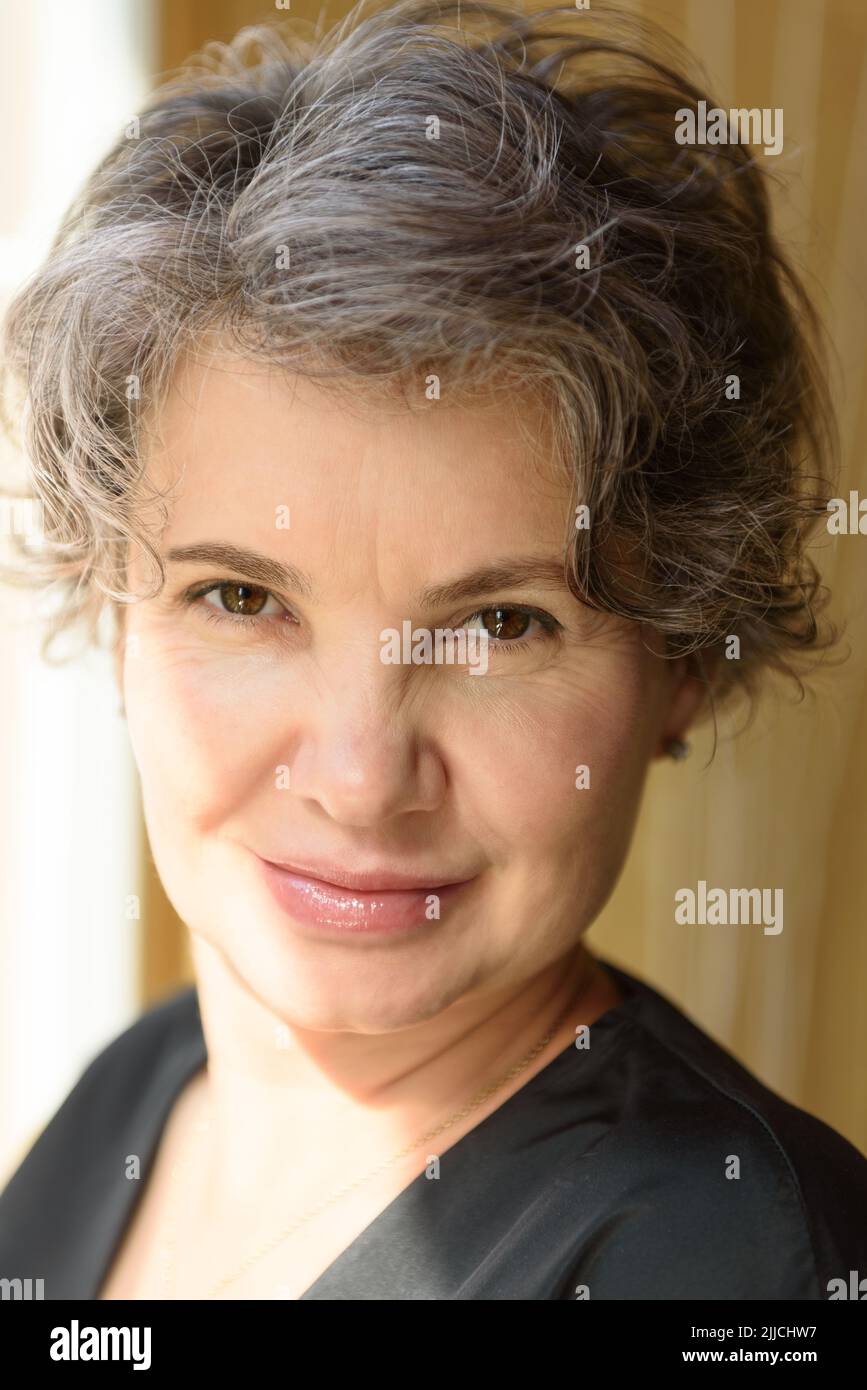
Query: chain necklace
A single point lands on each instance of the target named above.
(168, 1253)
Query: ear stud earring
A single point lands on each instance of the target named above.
(678, 749)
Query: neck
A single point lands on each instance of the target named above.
(363, 1095)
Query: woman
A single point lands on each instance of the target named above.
(431, 420)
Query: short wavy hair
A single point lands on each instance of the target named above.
(407, 194)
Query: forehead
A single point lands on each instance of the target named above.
(234, 437)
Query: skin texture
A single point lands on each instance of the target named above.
(414, 765)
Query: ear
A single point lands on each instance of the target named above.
(689, 691)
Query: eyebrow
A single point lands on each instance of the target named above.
(250, 563)
(545, 571)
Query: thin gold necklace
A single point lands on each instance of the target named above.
(168, 1256)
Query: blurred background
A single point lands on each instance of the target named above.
(87, 937)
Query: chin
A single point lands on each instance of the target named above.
(321, 990)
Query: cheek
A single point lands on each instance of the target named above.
(564, 768)
(199, 732)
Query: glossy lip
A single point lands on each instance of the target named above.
(375, 903)
(367, 881)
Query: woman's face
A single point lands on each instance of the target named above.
(267, 726)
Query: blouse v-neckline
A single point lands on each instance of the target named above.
(192, 1056)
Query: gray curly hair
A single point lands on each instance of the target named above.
(405, 194)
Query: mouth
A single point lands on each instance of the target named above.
(374, 902)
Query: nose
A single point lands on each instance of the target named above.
(363, 754)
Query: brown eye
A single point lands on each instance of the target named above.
(244, 599)
(511, 628)
(242, 606)
(505, 624)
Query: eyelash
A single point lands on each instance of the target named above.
(551, 627)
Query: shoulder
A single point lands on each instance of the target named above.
(150, 1045)
(115, 1104)
(120, 1076)
(726, 1189)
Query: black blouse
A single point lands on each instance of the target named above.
(649, 1165)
